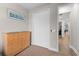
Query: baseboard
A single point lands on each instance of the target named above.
(38, 45)
(73, 48)
(52, 49)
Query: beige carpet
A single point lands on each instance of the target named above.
(40, 51)
(37, 51)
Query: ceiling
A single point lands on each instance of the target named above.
(31, 5)
(63, 7)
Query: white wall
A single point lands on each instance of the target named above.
(1, 43)
(75, 27)
(54, 27)
(10, 25)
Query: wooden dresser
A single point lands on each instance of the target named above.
(16, 42)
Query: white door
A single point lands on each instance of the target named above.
(40, 28)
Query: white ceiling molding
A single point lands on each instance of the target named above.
(64, 8)
(30, 6)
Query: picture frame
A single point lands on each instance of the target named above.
(12, 14)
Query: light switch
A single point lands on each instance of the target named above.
(52, 30)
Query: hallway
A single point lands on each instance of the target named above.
(44, 22)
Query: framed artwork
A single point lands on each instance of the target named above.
(15, 15)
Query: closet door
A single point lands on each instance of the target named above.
(25, 39)
(20, 42)
(11, 44)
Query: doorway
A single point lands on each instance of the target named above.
(63, 33)
(40, 28)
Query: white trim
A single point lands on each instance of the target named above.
(74, 49)
(38, 45)
(57, 34)
(52, 49)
